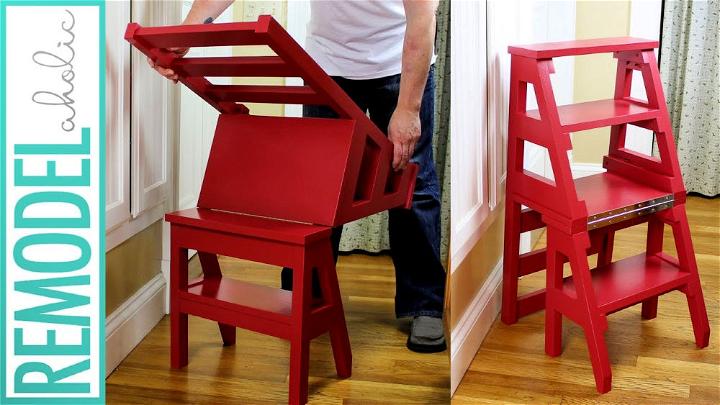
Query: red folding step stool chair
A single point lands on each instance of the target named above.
(273, 189)
(582, 215)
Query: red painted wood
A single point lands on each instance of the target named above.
(259, 300)
(564, 205)
(266, 94)
(229, 66)
(550, 50)
(271, 311)
(293, 171)
(252, 226)
(343, 165)
(629, 281)
(606, 191)
(600, 113)
(272, 190)
(211, 269)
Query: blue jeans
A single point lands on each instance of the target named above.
(414, 233)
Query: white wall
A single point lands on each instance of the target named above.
(470, 204)
(479, 99)
(481, 32)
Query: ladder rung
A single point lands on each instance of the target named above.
(532, 262)
(600, 113)
(266, 94)
(530, 220)
(234, 66)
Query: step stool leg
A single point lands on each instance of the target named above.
(654, 245)
(511, 262)
(698, 315)
(604, 257)
(599, 357)
(178, 320)
(553, 317)
(211, 269)
(693, 291)
(299, 339)
(338, 330)
(595, 323)
(649, 308)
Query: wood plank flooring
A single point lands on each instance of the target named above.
(653, 362)
(255, 370)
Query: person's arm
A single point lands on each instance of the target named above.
(404, 127)
(201, 12)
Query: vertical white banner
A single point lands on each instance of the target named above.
(52, 201)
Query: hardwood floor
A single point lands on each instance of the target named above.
(653, 362)
(255, 370)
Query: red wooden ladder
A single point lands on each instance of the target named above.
(273, 189)
(582, 215)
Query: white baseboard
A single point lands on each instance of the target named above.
(132, 321)
(586, 169)
(468, 335)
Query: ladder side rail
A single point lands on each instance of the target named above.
(292, 53)
(664, 167)
(627, 63)
(550, 136)
(626, 169)
(197, 85)
(664, 137)
(200, 35)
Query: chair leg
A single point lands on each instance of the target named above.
(693, 291)
(595, 322)
(227, 332)
(211, 269)
(178, 320)
(599, 357)
(698, 315)
(299, 339)
(338, 330)
(606, 250)
(511, 263)
(654, 245)
(649, 308)
(553, 317)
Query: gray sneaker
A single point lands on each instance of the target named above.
(426, 335)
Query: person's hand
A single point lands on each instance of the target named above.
(404, 133)
(169, 73)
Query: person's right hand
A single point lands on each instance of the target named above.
(169, 73)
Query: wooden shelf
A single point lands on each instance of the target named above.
(630, 281)
(600, 113)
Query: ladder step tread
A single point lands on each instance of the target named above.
(630, 281)
(582, 47)
(258, 300)
(600, 113)
(610, 198)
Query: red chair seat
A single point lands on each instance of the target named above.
(249, 225)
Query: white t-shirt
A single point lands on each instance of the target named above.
(357, 39)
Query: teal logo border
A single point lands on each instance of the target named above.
(101, 205)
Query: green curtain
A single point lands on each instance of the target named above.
(690, 68)
(371, 234)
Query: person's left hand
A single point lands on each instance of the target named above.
(404, 133)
